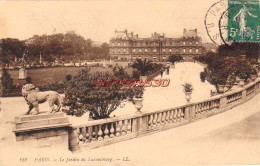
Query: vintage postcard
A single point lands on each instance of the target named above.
(129, 82)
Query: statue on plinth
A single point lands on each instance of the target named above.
(34, 97)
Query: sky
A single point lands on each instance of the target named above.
(98, 19)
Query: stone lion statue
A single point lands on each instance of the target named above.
(34, 97)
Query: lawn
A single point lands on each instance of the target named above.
(44, 76)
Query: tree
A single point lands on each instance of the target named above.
(6, 82)
(82, 95)
(175, 58)
(222, 70)
(143, 66)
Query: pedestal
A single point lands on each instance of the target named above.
(42, 131)
(22, 73)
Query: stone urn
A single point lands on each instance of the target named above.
(221, 88)
(138, 103)
(242, 82)
(188, 96)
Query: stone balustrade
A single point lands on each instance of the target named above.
(50, 130)
(107, 131)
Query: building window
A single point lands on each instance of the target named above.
(118, 43)
(113, 44)
(163, 50)
(170, 50)
(184, 50)
(124, 49)
(140, 50)
(133, 50)
(197, 43)
(124, 44)
(147, 43)
(184, 43)
(197, 50)
(170, 43)
(145, 50)
(190, 43)
(154, 50)
(190, 50)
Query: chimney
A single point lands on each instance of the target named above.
(184, 31)
(132, 34)
(115, 31)
(196, 31)
(163, 34)
(125, 30)
(136, 35)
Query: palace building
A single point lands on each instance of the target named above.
(128, 46)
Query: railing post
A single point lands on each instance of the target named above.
(191, 112)
(140, 123)
(243, 94)
(73, 140)
(187, 112)
(223, 102)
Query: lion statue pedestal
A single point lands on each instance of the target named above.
(42, 131)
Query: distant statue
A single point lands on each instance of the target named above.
(241, 17)
(34, 97)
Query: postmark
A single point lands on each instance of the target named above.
(211, 21)
(223, 26)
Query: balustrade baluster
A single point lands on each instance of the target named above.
(163, 118)
(78, 132)
(94, 133)
(87, 134)
(150, 122)
(118, 128)
(112, 131)
(199, 109)
(100, 133)
(179, 115)
(106, 132)
(129, 126)
(155, 120)
(182, 113)
(171, 116)
(196, 110)
(84, 134)
(159, 119)
(175, 115)
(167, 117)
(123, 127)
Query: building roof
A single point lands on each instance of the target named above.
(190, 33)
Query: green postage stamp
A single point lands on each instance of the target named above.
(243, 20)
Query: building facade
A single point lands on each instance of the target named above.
(128, 46)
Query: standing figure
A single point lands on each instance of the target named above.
(241, 17)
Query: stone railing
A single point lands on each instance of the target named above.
(107, 131)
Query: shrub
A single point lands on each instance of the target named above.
(28, 80)
(6, 83)
(68, 77)
(82, 96)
